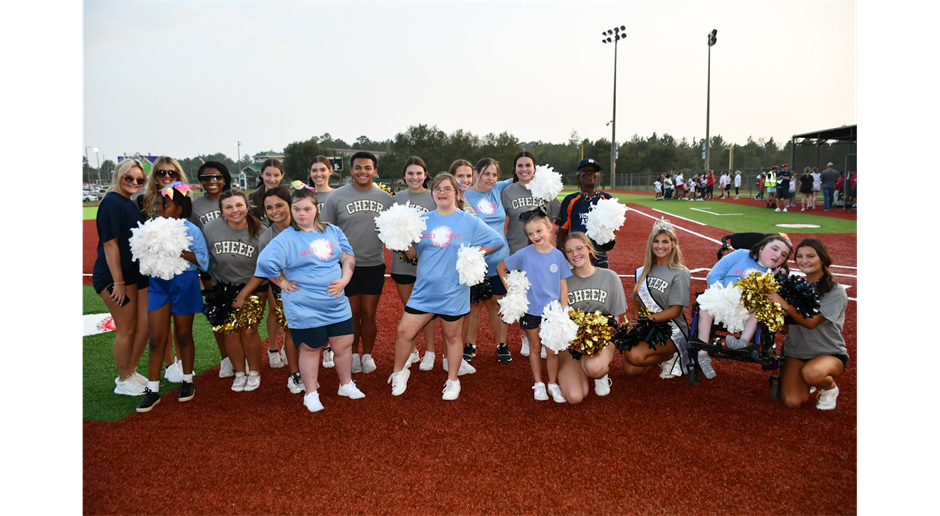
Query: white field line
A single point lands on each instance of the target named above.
(715, 214)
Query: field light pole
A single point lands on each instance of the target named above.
(712, 39)
(98, 159)
(88, 162)
(614, 36)
(238, 157)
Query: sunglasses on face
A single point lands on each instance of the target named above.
(164, 173)
(132, 180)
(207, 179)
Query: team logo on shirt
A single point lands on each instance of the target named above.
(486, 207)
(421, 209)
(526, 202)
(234, 248)
(553, 267)
(587, 294)
(441, 236)
(657, 284)
(321, 248)
(208, 216)
(364, 205)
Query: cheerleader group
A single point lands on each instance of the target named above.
(313, 256)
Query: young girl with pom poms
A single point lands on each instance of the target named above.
(547, 271)
(179, 298)
(437, 290)
(590, 289)
(814, 350)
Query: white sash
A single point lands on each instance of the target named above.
(678, 338)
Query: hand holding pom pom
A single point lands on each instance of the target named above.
(158, 245)
(515, 303)
(725, 306)
(557, 329)
(605, 219)
(546, 184)
(400, 226)
(471, 266)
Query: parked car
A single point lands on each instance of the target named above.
(89, 197)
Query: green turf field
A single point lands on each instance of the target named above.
(99, 403)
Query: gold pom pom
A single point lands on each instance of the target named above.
(385, 187)
(593, 332)
(754, 289)
(248, 316)
(281, 318)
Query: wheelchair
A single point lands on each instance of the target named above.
(763, 350)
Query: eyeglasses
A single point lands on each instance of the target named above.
(132, 180)
(444, 190)
(209, 179)
(573, 249)
(164, 173)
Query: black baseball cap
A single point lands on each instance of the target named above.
(588, 161)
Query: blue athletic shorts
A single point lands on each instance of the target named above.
(183, 293)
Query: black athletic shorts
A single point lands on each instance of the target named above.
(448, 318)
(530, 322)
(403, 279)
(319, 337)
(367, 280)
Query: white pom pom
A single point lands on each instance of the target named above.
(546, 184)
(400, 226)
(557, 329)
(604, 219)
(724, 304)
(515, 303)
(471, 266)
(158, 245)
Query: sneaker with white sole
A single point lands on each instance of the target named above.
(128, 387)
(150, 400)
(705, 362)
(668, 368)
(555, 391)
(525, 346)
(602, 385)
(296, 384)
(540, 393)
(368, 365)
(240, 380)
(312, 402)
(543, 353)
(174, 372)
(502, 353)
(735, 342)
(284, 354)
(812, 389)
(399, 381)
(827, 398)
(226, 370)
(139, 378)
(356, 364)
(254, 381)
(274, 359)
(350, 391)
(469, 351)
(451, 390)
(427, 363)
(413, 358)
(186, 392)
(465, 367)
(328, 358)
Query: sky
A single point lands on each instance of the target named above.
(268, 74)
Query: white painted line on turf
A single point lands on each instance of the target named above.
(710, 239)
(715, 214)
(673, 215)
(94, 324)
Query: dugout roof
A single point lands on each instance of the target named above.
(845, 133)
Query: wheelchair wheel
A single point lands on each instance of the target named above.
(775, 388)
(693, 374)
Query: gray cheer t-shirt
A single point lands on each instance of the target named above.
(670, 287)
(234, 253)
(516, 200)
(354, 211)
(602, 291)
(204, 210)
(825, 339)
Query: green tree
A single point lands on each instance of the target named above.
(297, 158)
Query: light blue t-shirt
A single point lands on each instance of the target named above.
(733, 266)
(438, 289)
(544, 272)
(198, 247)
(489, 208)
(311, 259)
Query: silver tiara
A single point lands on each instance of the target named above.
(662, 225)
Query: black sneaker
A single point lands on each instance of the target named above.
(187, 391)
(502, 353)
(469, 351)
(150, 399)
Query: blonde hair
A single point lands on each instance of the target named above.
(151, 196)
(122, 169)
(675, 258)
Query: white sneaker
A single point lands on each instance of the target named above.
(784, 210)
(240, 380)
(555, 391)
(451, 389)
(328, 359)
(540, 394)
(312, 402)
(254, 381)
(296, 384)
(465, 367)
(274, 359)
(226, 370)
(413, 358)
(399, 381)
(174, 372)
(602, 385)
(350, 391)
(827, 398)
(777, 210)
(525, 346)
(368, 365)
(356, 363)
(669, 367)
(284, 354)
(139, 378)
(427, 363)
(543, 353)
(128, 387)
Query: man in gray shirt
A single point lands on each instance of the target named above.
(828, 180)
(353, 208)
